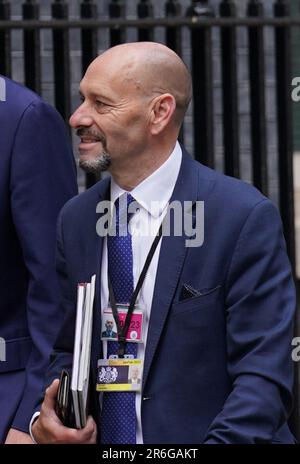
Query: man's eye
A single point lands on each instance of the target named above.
(100, 103)
(81, 98)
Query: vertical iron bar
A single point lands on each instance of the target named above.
(88, 10)
(5, 41)
(61, 60)
(174, 36)
(229, 92)
(117, 10)
(32, 54)
(284, 129)
(145, 10)
(257, 99)
(202, 77)
(285, 160)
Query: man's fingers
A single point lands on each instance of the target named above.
(93, 440)
(90, 424)
(48, 428)
(89, 430)
(92, 427)
(51, 394)
(86, 435)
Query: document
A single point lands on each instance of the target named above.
(82, 351)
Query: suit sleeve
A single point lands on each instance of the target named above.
(61, 356)
(42, 180)
(62, 353)
(260, 302)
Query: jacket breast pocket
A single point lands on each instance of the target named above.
(209, 299)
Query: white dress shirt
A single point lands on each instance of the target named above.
(153, 196)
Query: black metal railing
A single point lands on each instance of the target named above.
(202, 21)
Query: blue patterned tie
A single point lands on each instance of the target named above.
(118, 419)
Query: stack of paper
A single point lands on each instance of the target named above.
(82, 351)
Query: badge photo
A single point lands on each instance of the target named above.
(109, 327)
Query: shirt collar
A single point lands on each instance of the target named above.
(154, 193)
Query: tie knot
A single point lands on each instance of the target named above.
(124, 200)
(123, 213)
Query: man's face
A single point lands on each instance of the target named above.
(109, 325)
(112, 121)
(135, 373)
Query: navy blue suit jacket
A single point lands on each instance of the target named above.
(37, 177)
(218, 365)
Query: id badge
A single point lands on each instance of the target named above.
(119, 375)
(109, 326)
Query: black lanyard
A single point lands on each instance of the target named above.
(122, 332)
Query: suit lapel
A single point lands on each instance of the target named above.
(172, 256)
(104, 194)
(171, 259)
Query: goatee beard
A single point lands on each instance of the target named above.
(95, 166)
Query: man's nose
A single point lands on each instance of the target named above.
(81, 117)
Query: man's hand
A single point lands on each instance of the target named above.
(16, 437)
(48, 429)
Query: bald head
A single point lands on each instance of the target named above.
(134, 97)
(150, 69)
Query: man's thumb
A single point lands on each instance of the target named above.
(51, 394)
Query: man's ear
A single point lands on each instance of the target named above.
(163, 108)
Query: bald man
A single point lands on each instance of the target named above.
(211, 324)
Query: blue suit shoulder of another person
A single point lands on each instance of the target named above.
(37, 177)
